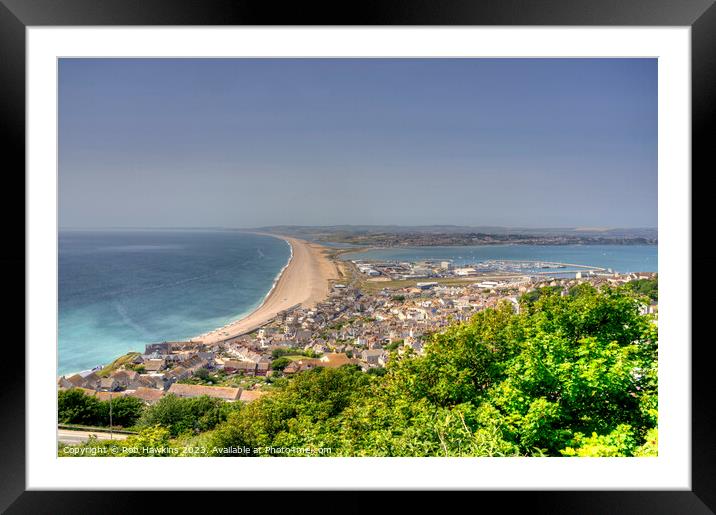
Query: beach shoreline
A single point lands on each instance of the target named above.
(304, 280)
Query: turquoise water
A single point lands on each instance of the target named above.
(119, 290)
(620, 258)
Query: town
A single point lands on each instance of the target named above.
(379, 311)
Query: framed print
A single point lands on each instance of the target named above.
(433, 250)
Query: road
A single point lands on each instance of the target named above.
(74, 437)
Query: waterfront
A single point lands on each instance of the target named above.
(620, 258)
(304, 281)
(120, 290)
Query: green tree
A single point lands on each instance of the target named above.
(571, 375)
(180, 415)
(75, 407)
(202, 373)
(647, 287)
(529, 384)
(280, 351)
(461, 363)
(280, 363)
(125, 411)
(619, 442)
(588, 367)
(304, 412)
(650, 447)
(150, 442)
(533, 296)
(394, 345)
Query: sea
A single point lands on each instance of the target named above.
(620, 258)
(119, 290)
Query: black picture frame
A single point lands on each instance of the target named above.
(17, 15)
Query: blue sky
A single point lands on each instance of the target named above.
(251, 142)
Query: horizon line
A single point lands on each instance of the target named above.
(226, 227)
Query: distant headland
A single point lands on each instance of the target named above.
(454, 235)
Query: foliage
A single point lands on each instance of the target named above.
(125, 410)
(650, 447)
(533, 296)
(282, 351)
(588, 366)
(571, 375)
(394, 345)
(151, 441)
(646, 287)
(204, 376)
(305, 412)
(76, 407)
(118, 363)
(619, 442)
(179, 415)
(137, 367)
(286, 351)
(202, 373)
(462, 362)
(280, 363)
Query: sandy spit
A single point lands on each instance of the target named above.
(305, 281)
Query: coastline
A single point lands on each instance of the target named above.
(621, 258)
(304, 280)
(277, 278)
